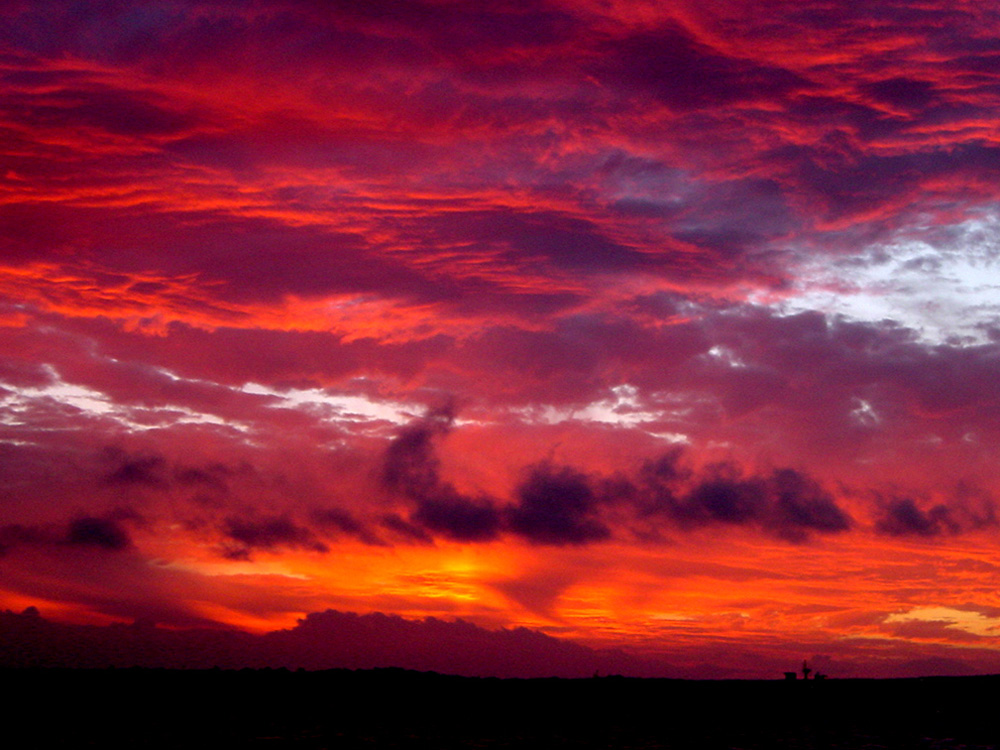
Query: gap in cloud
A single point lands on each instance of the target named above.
(975, 620)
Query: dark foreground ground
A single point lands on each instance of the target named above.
(393, 708)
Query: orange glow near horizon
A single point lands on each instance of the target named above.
(724, 590)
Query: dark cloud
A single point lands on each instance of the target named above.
(343, 522)
(732, 218)
(211, 476)
(666, 469)
(375, 639)
(269, 533)
(115, 111)
(553, 505)
(724, 498)
(104, 533)
(684, 73)
(411, 465)
(100, 532)
(412, 469)
(459, 517)
(561, 505)
(785, 502)
(801, 505)
(16, 534)
(156, 471)
(405, 530)
(903, 516)
(149, 470)
(320, 640)
(908, 93)
(563, 240)
(556, 505)
(474, 28)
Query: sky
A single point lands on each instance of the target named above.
(671, 328)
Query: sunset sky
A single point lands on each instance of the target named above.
(671, 327)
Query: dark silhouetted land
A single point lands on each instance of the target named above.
(387, 708)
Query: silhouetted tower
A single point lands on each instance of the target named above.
(805, 670)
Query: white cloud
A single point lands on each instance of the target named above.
(19, 405)
(338, 407)
(944, 288)
(625, 407)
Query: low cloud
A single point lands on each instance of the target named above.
(15, 534)
(269, 534)
(904, 517)
(148, 470)
(156, 471)
(785, 502)
(340, 521)
(556, 505)
(562, 505)
(320, 640)
(105, 533)
(411, 468)
(99, 532)
(403, 529)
